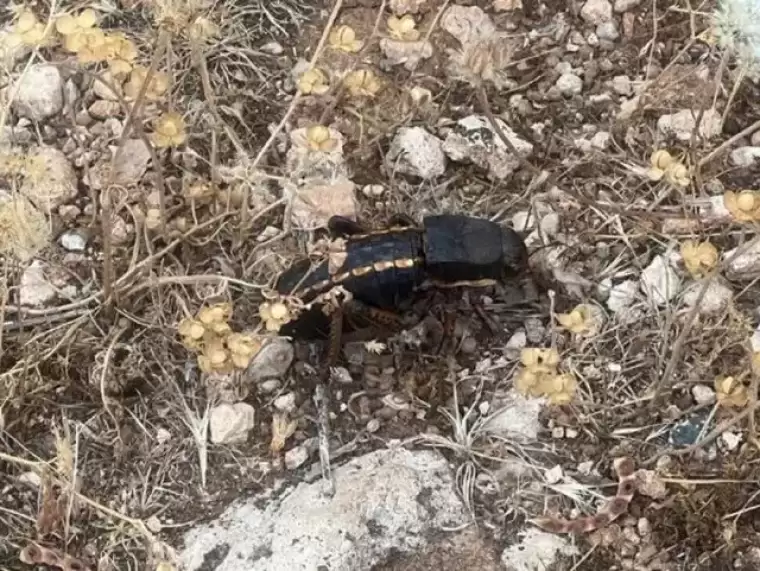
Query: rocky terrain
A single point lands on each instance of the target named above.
(162, 161)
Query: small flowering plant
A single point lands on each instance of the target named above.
(737, 29)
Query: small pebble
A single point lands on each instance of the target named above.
(341, 375)
(569, 84)
(625, 5)
(730, 440)
(558, 432)
(663, 464)
(286, 402)
(74, 240)
(703, 394)
(373, 190)
(563, 67)
(296, 457)
(621, 84)
(631, 536)
(163, 435)
(644, 527)
(585, 468)
(601, 140)
(554, 475)
(373, 425)
(269, 386)
(608, 31)
(31, 478)
(274, 48)
(267, 234)
(469, 345)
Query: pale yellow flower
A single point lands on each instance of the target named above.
(28, 30)
(539, 360)
(313, 81)
(215, 357)
(699, 258)
(403, 28)
(120, 52)
(158, 85)
(80, 34)
(678, 175)
(217, 313)
(362, 83)
(282, 429)
(344, 38)
(274, 315)
(582, 320)
(744, 205)
(191, 328)
(731, 392)
(243, 347)
(170, 130)
(319, 138)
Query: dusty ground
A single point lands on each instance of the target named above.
(101, 407)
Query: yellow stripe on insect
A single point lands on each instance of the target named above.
(465, 283)
(381, 232)
(382, 266)
(405, 263)
(363, 271)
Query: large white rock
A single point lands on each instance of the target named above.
(40, 93)
(52, 182)
(596, 11)
(744, 261)
(474, 140)
(681, 124)
(569, 84)
(417, 152)
(622, 296)
(660, 281)
(536, 550)
(35, 289)
(387, 502)
(230, 423)
(716, 299)
(515, 417)
(745, 156)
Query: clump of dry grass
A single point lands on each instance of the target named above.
(215, 106)
(24, 230)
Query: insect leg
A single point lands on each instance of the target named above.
(322, 392)
(357, 310)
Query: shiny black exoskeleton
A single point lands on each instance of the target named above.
(383, 269)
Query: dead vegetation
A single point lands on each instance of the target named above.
(192, 150)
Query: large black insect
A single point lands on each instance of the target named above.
(384, 269)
